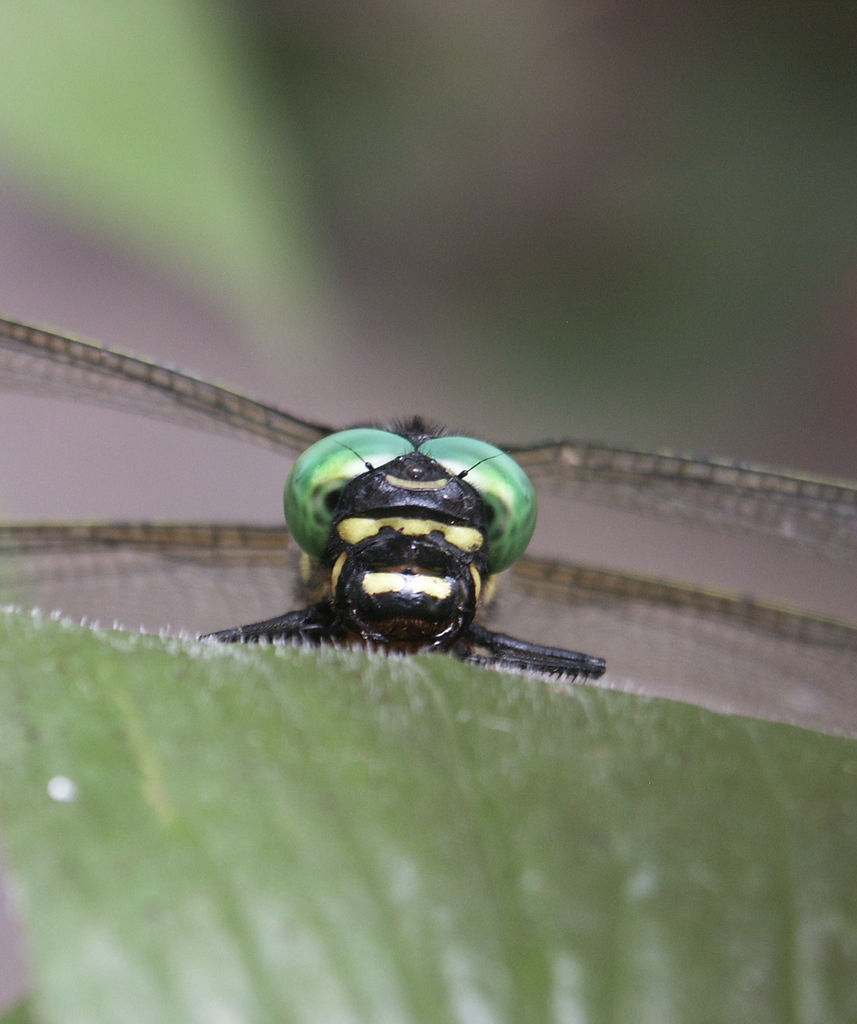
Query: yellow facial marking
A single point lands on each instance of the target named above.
(335, 572)
(352, 531)
(404, 582)
(417, 485)
(306, 567)
(477, 580)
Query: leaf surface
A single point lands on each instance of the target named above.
(206, 833)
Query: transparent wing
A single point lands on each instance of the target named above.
(660, 639)
(161, 578)
(44, 363)
(807, 510)
(716, 650)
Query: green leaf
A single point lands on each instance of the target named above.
(272, 834)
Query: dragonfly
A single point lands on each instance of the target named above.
(716, 649)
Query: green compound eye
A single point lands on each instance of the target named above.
(503, 485)
(318, 476)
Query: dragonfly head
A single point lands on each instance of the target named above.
(409, 528)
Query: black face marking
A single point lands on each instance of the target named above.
(373, 493)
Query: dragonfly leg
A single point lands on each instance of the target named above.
(482, 646)
(318, 623)
(308, 625)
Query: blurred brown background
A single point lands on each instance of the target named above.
(629, 224)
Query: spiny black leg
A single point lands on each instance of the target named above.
(308, 625)
(317, 623)
(507, 650)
